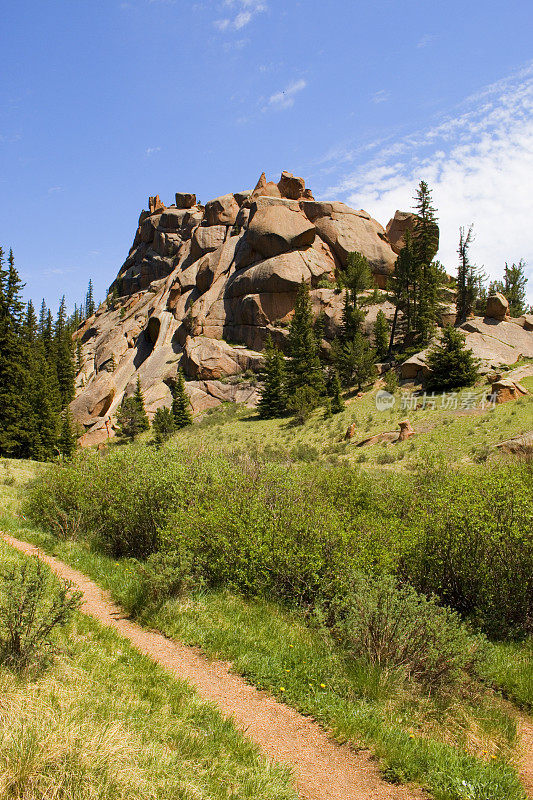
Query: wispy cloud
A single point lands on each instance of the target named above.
(151, 150)
(55, 189)
(285, 98)
(381, 97)
(239, 14)
(479, 163)
(426, 40)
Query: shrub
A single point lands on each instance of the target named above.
(474, 548)
(451, 363)
(32, 607)
(395, 627)
(302, 402)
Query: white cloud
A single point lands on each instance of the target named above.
(381, 97)
(426, 40)
(151, 150)
(55, 189)
(479, 164)
(241, 13)
(285, 98)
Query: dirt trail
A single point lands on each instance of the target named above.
(323, 770)
(525, 764)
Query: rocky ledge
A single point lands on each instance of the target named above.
(204, 285)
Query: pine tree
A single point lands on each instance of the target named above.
(67, 438)
(355, 360)
(180, 403)
(427, 275)
(304, 368)
(30, 324)
(89, 301)
(401, 288)
(467, 277)
(63, 347)
(356, 275)
(273, 398)
(337, 403)
(515, 288)
(14, 374)
(381, 335)
(163, 425)
(451, 363)
(138, 397)
(129, 419)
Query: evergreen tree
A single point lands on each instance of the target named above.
(163, 425)
(381, 335)
(14, 374)
(427, 275)
(180, 403)
(138, 397)
(467, 277)
(89, 301)
(451, 363)
(63, 348)
(401, 288)
(273, 399)
(515, 288)
(302, 402)
(304, 368)
(44, 402)
(67, 437)
(337, 403)
(356, 275)
(30, 324)
(130, 419)
(355, 360)
(43, 316)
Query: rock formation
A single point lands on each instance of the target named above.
(199, 277)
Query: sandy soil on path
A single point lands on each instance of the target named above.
(322, 769)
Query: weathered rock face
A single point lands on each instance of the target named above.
(199, 277)
(497, 344)
(497, 307)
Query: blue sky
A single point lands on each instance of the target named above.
(105, 102)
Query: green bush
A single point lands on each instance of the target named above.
(463, 536)
(32, 608)
(475, 548)
(393, 626)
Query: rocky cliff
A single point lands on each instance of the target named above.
(204, 285)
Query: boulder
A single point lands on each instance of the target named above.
(222, 210)
(518, 445)
(172, 219)
(264, 188)
(277, 226)
(184, 200)
(242, 197)
(155, 204)
(206, 239)
(291, 187)
(346, 231)
(148, 228)
(206, 358)
(95, 400)
(505, 390)
(497, 307)
(280, 274)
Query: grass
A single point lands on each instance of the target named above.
(105, 722)
(457, 747)
(437, 743)
(456, 434)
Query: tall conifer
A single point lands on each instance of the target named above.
(304, 368)
(273, 398)
(180, 403)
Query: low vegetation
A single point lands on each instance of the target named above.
(362, 635)
(105, 722)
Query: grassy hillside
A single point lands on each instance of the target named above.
(459, 743)
(105, 722)
(454, 433)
